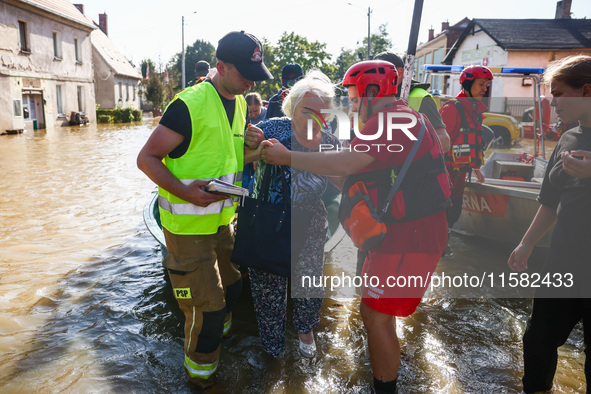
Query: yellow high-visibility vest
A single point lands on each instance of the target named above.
(415, 98)
(216, 151)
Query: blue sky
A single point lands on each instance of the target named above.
(153, 30)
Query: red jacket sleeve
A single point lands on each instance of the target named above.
(451, 118)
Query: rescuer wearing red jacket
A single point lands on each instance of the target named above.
(416, 232)
(463, 121)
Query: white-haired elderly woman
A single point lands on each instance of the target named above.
(269, 291)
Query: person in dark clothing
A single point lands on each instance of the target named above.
(579, 166)
(201, 71)
(565, 201)
(256, 110)
(290, 74)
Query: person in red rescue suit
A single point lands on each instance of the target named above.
(463, 122)
(413, 243)
(199, 138)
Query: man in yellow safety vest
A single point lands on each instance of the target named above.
(199, 138)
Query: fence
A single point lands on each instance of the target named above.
(516, 106)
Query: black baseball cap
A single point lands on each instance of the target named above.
(392, 58)
(245, 52)
(290, 74)
(201, 68)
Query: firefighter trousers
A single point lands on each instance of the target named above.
(206, 285)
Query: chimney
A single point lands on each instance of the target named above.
(563, 9)
(103, 23)
(444, 25)
(431, 34)
(566, 8)
(80, 7)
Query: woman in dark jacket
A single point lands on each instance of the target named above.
(564, 295)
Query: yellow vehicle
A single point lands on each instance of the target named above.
(506, 128)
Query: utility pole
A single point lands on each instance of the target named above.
(412, 49)
(368, 29)
(183, 56)
(368, 34)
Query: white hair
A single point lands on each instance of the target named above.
(313, 82)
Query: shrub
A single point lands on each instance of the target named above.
(118, 115)
(123, 115)
(137, 114)
(104, 118)
(100, 112)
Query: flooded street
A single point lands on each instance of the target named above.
(85, 307)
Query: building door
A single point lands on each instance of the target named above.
(33, 110)
(29, 117)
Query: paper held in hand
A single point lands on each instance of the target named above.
(221, 187)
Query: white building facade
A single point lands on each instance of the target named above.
(46, 70)
(498, 43)
(116, 80)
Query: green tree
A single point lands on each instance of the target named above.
(156, 84)
(380, 42)
(346, 59)
(269, 87)
(147, 66)
(293, 48)
(200, 50)
(155, 90)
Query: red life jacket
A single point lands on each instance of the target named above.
(425, 189)
(466, 149)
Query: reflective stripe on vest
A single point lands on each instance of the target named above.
(415, 98)
(187, 208)
(216, 151)
(203, 371)
(192, 209)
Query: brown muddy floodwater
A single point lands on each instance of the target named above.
(85, 307)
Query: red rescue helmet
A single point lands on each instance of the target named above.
(372, 72)
(470, 73)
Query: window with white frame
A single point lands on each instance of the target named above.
(120, 91)
(57, 45)
(59, 98)
(126, 92)
(438, 56)
(421, 62)
(23, 34)
(77, 50)
(18, 108)
(80, 93)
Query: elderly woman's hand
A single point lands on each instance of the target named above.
(274, 152)
(253, 137)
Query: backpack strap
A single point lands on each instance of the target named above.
(404, 169)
